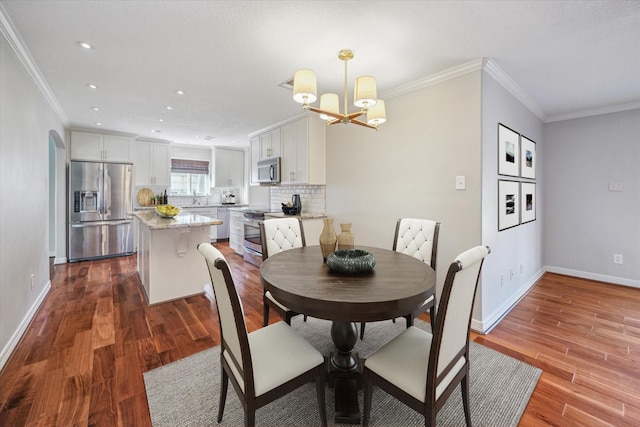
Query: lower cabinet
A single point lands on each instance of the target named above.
(236, 231)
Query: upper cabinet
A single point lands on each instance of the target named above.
(300, 144)
(151, 163)
(303, 152)
(229, 168)
(99, 147)
(262, 146)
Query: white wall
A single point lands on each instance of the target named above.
(586, 223)
(408, 168)
(519, 249)
(25, 121)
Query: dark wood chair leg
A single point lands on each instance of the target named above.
(250, 416)
(465, 398)
(223, 391)
(287, 317)
(265, 314)
(320, 392)
(362, 330)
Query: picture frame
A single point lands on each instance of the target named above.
(508, 151)
(527, 202)
(508, 204)
(527, 158)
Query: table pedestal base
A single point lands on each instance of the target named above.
(345, 372)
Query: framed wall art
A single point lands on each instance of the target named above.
(508, 204)
(508, 151)
(528, 202)
(527, 158)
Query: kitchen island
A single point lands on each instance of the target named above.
(169, 264)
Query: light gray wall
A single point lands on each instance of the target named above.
(519, 249)
(586, 223)
(408, 168)
(25, 121)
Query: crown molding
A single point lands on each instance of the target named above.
(513, 88)
(15, 41)
(594, 112)
(434, 79)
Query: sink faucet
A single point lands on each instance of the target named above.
(195, 199)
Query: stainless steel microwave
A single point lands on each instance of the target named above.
(269, 170)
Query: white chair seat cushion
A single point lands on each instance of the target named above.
(279, 354)
(271, 298)
(404, 361)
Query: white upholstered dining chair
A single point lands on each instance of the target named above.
(419, 239)
(265, 364)
(277, 235)
(422, 369)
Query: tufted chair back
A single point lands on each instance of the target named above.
(281, 234)
(417, 238)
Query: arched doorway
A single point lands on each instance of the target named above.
(57, 198)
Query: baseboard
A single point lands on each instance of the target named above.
(594, 276)
(17, 335)
(485, 326)
(60, 260)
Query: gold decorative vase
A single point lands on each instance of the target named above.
(345, 238)
(328, 238)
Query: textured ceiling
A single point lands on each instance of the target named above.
(569, 57)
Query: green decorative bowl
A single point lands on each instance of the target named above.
(351, 261)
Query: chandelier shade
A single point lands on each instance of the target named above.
(304, 87)
(377, 114)
(365, 97)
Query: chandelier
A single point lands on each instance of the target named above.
(364, 97)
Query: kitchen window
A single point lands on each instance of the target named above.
(190, 177)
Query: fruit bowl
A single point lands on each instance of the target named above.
(167, 211)
(351, 261)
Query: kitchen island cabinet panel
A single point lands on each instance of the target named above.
(169, 264)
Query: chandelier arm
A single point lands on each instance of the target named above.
(328, 113)
(354, 115)
(358, 122)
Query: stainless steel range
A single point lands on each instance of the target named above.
(252, 250)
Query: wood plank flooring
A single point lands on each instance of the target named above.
(82, 358)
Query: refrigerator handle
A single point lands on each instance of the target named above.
(100, 223)
(107, 194)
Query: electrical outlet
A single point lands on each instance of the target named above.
(33, 276)
(617, 259)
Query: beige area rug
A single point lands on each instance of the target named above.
(186, 392)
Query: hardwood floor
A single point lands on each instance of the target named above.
(81, 360)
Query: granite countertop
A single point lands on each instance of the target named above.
(184, 219)
(301, 216)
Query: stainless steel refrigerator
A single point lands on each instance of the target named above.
(99, 205)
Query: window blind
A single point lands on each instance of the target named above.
(189, 166)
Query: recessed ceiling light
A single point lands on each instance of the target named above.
(161, 120)
(168, 107)
(98, 123)
(85, 45)
(92, 86)
(156, 131)
(95, 108)
(180, 92)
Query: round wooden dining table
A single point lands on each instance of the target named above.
(397, 286)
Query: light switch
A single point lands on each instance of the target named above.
(460, 183)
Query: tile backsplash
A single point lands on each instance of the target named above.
(311, 196)
(214, 199)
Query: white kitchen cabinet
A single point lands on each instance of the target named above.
(236, 230)
(100, 147)
(229, 168)
(265, 145)
(151, 163)
(303, 158)
(270, 144)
